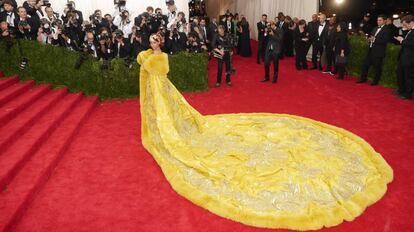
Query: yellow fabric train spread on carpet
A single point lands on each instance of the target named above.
(264, 170)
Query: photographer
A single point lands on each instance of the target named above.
(155, 21)
(104, 50)
(9, 14)
(88, 48)
(5, 31)
(138, 42)
(222, 46)
(73, 28)
(97, 20)
(179, 22)
(2, 2)
(109, 23)
(273, 51)
(34, 9)
(120, 6)
(123, 23)
(142, 25)
(25, 26)
(44, 35)
(172, 11)
(61, 37)
(71, 11)
(120, 45)
(50, 16)
(176, 42)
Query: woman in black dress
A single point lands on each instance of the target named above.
(342, 50)
(244, 38)
(301, 36)
(288, 36)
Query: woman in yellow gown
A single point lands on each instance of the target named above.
(264, 170)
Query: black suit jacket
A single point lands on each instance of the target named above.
(274, 45)
(226, 28)
(124, 51)
(261, 30)
(379, 46)
(320, 40)
(406, 56)
(26, 34)
(3, 16)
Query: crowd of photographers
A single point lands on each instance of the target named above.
(104, 36)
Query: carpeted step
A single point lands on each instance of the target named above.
(21, 191)
(12, 108)
(14, 157)
(23, 121)
(6, 82)
(14, 90)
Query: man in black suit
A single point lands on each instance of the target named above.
(9, 14)
(318, 41)
(312, 28)
(273, 51)
(262, 37)
(228, 24)
(405, 70)
(121, 45)
(378, 41)
(365, 26)
(25, 26)
(393, 30)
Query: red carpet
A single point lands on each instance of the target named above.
(104, 180)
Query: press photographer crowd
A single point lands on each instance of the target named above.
(117, 35)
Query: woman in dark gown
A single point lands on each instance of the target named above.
(244, 48)
(301, 37)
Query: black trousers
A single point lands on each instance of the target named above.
(405, 77)
(330, 58)
(261, 50)
(225, 60)
(268, 58)
(317, 49)
(371, 60)
(341, 69)
(301, 53)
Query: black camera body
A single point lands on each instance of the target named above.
(23, 23)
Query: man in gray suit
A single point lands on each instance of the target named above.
(272, 52)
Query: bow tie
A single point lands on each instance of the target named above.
(321, 25)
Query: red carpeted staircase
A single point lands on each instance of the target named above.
(37, 124)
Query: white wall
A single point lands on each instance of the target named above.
(253, 9)
(135, 7)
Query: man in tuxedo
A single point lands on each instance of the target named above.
(9, 14)
(212, 30)
(365, 26)
(204, 30)
(393, 30)
(378, 41)
(319, 37)
(405, 70)
(228, 24)
(262, 37)
(25, 26)
(272, 52)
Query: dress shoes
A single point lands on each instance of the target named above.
(361, 81)
(265, 80)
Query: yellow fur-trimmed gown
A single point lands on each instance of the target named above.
(264, 170)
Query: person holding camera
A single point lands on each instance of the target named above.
(222, 51)
(120, 45)
(104, 48)
(26, 27)
(273, 51)
(5, 31)
(123, 23)
(172, 11)
(177, 41)
(178, 22)
(120, 6)
(9, 14)
(73, 28)
(70, 12)
(109, 23)
(44, 34)
(97, 20)
(138, 42)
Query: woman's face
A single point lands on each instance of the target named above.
(338, 28)
(155, 45)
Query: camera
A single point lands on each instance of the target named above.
(120, 3)
(23, 23)
(119, 34)
(46, 28)
(46, 3)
